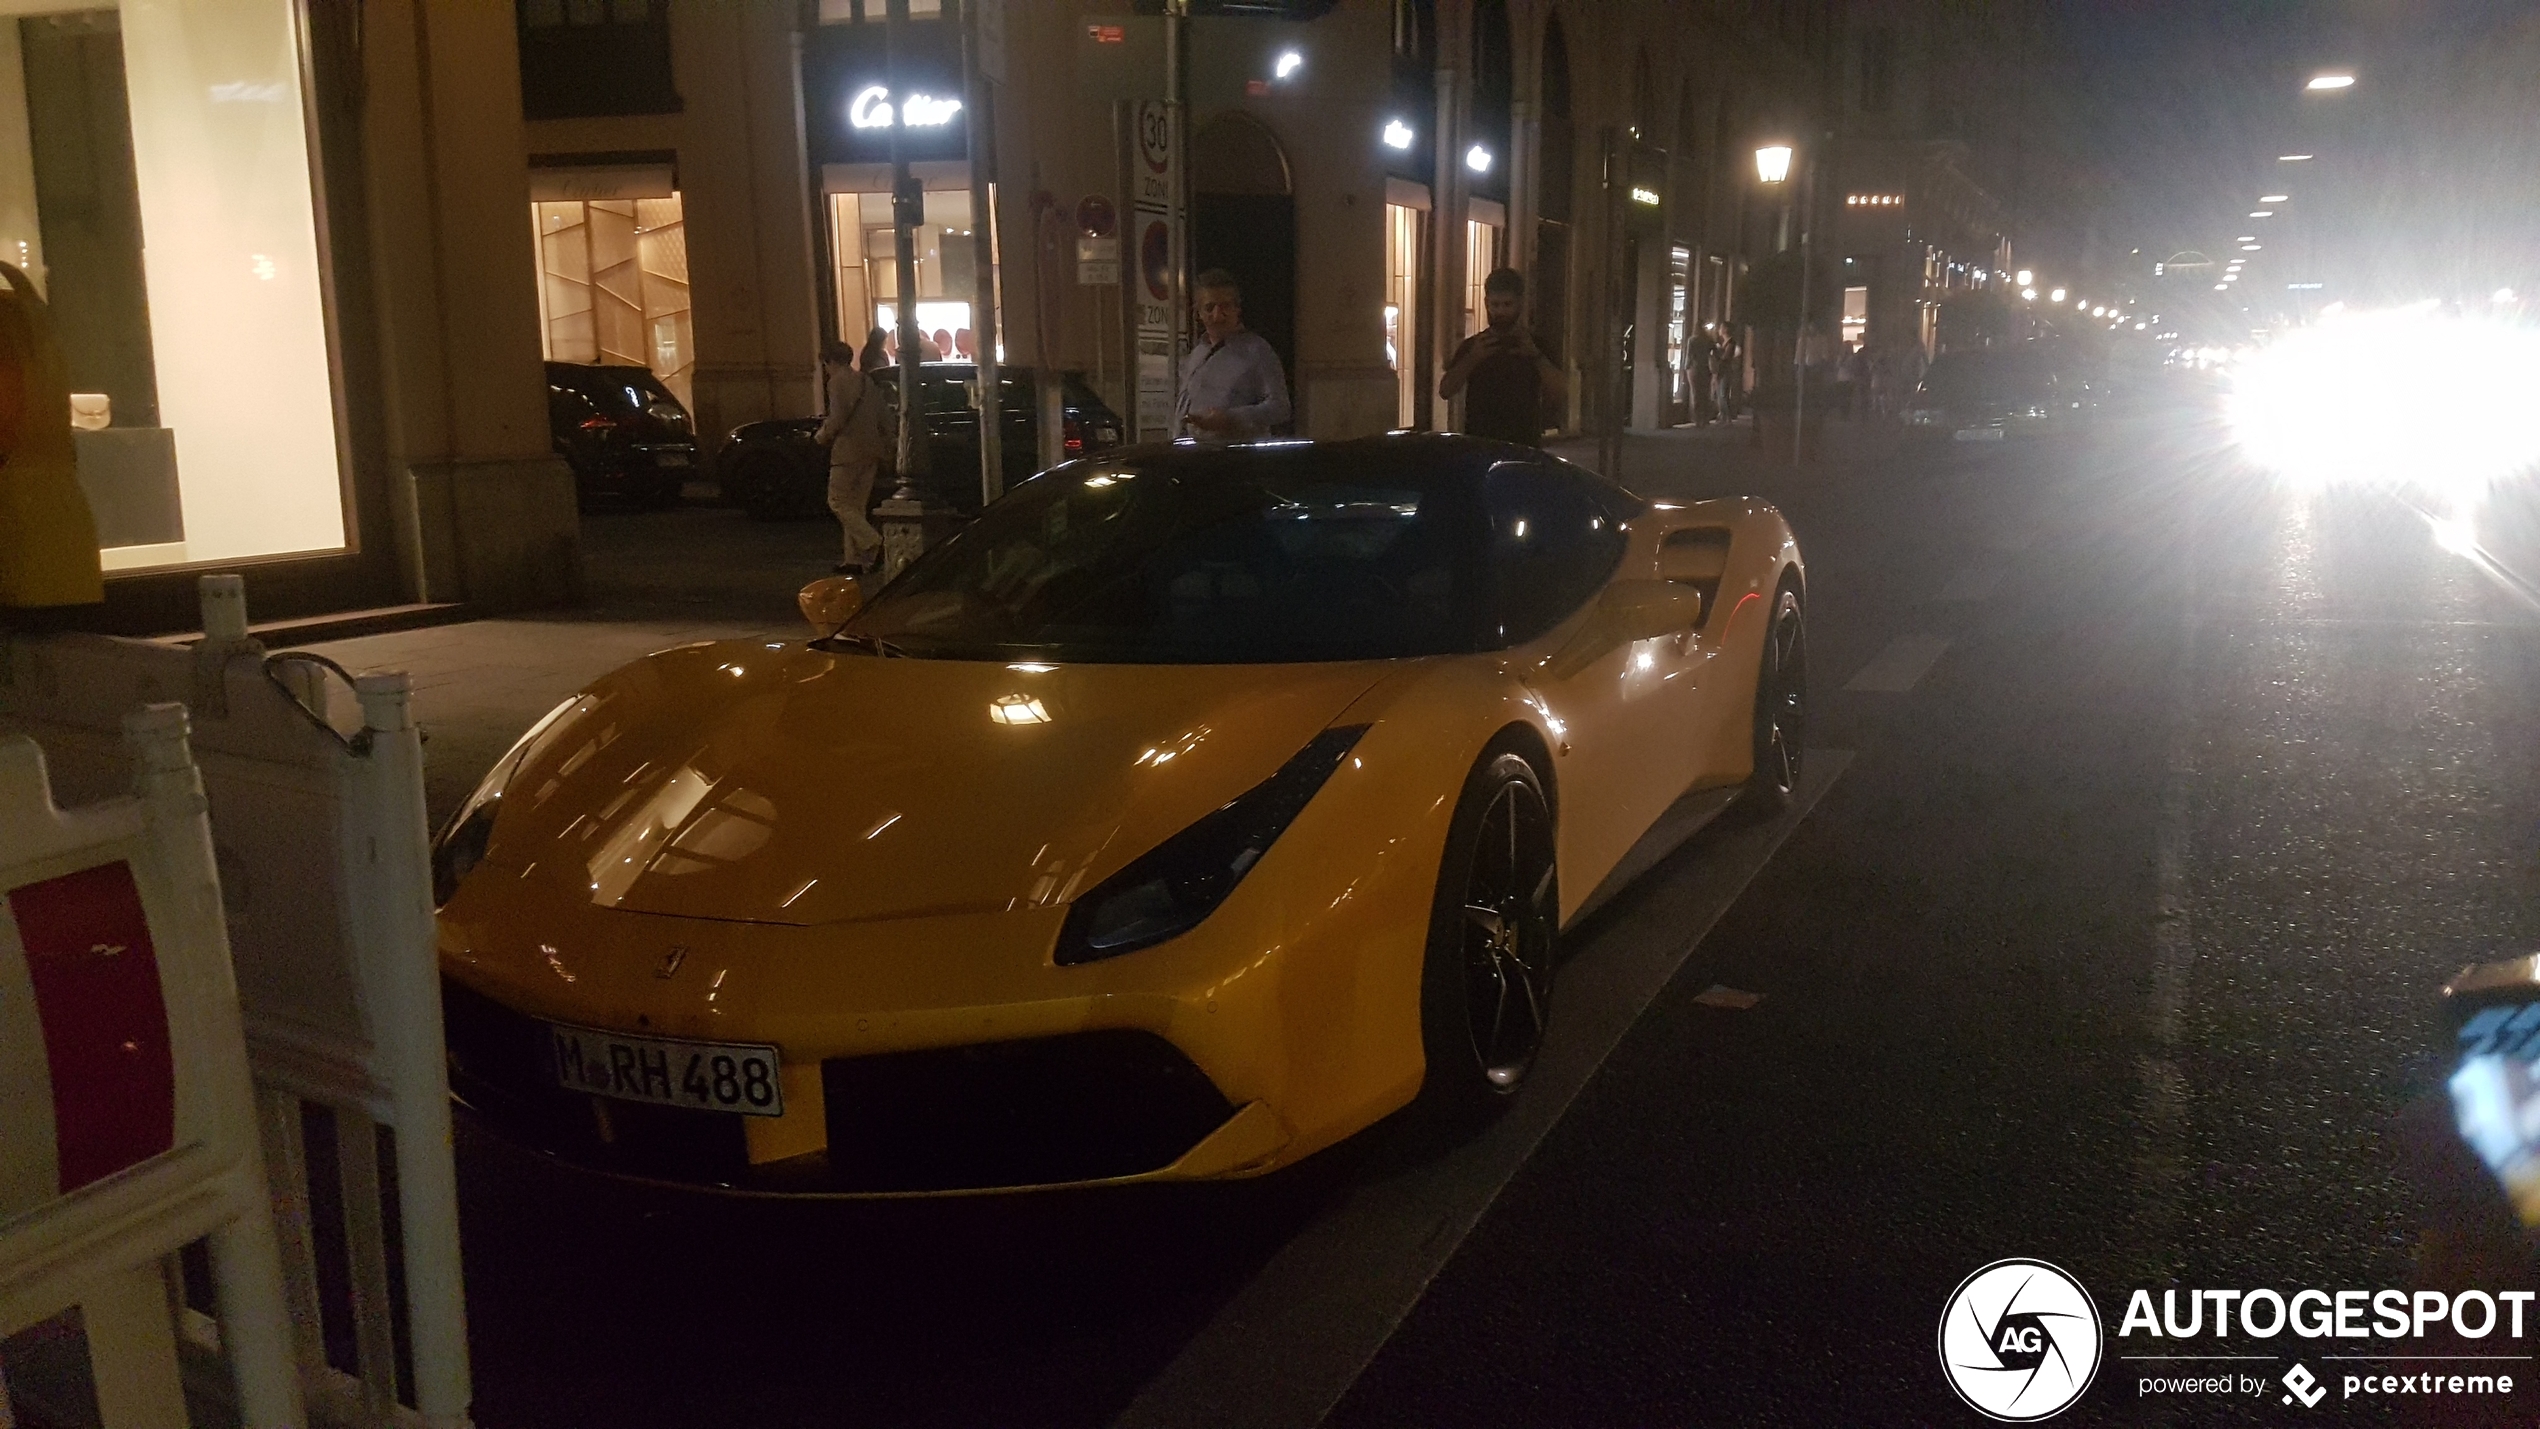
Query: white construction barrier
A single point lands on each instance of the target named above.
(320, 831)
(127, 1121)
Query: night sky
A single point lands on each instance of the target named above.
(2426, 182)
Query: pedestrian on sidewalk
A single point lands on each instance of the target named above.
(854, 428)
(1513, 385)
(1232, 387)
(877, 352)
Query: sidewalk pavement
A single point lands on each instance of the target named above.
(656, 579)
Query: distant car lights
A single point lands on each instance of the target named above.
(2323, 406)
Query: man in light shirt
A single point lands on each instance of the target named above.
(1232, 388)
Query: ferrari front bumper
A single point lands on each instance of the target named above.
(1107, 1106)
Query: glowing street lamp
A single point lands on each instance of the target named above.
(2056, 296)
(2024, 277)
(1772, 163)
(2331, 81)
(2029, 293)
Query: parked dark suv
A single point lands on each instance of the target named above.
(621, 431)
(774, 470)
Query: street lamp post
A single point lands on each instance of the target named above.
(1772, 166)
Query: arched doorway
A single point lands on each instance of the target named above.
(1243, 219)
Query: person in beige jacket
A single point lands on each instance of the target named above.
(855, 429)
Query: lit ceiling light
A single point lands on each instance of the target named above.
(2056, 296)
(1289, 63)
(2138, 327)
(2262, 213)
(2250, 247)
(1397, 134)
(2275, 198)
(2331, 81)
(1772, 163)
(1477, 159)
(2098, 312)
(2081, 302)
(2222, 287)
(2292, 158)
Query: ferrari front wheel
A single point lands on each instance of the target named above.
(1486, 986)
(1781, 707)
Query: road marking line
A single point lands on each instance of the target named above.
(1905, 661)
(1282, 1352)
(1972, 583)
(2160, 1161)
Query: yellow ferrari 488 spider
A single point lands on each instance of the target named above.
(1191, 810)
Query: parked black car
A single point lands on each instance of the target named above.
(623, 433)
(774, 470)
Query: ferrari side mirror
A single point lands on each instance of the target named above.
(830, 602)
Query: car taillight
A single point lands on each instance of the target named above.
(598, 424)
(1075, 437)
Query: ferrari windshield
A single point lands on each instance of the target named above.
(1196, 555)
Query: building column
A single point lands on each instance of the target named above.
(487, 511)
(748, 210)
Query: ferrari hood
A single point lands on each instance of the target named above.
(763, 783)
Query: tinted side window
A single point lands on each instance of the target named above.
(1553, 543)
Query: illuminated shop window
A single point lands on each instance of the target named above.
(171, 226)
(613, 286)
(1402, 287)
(947, 248)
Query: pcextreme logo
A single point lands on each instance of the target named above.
(2020, 1340)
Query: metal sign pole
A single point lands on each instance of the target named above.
(1177, 80)
(906, 214)
(979, 100)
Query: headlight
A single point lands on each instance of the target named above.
(460, 845)
(1172, 887)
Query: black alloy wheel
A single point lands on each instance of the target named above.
(1781, 707)
(1486, 991)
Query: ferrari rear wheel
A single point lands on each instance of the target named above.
(1781, 707)
(1486, 990)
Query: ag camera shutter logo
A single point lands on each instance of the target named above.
(2020, 1340)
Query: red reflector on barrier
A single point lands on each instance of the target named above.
(96, 980)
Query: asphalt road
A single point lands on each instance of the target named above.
(2153, 805)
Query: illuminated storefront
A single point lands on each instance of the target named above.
(156, 185)
(613, 271)
(849, 120)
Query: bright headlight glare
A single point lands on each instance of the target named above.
(2325, 405)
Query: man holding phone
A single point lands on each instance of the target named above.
(1513, 387)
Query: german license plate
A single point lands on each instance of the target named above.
(1979, 434)
(703, 1076)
